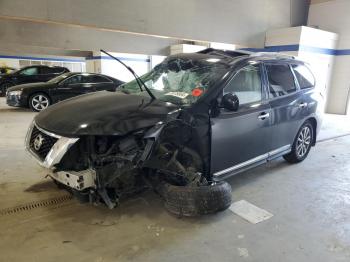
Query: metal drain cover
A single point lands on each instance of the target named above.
(36, 204)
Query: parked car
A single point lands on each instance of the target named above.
(39, 96)
(30, 74)
(4, 70)
(215, 114)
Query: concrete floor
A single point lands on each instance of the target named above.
(310, 202)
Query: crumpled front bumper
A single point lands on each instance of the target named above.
(73, 179)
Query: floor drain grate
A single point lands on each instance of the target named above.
(36, 204)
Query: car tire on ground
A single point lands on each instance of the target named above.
(302, 144)
(196, 200)
(39, 101)
(4, 86)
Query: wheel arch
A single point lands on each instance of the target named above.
(313, 122)
(38, 92)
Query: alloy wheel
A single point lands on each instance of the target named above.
(40, 102)
(303, 142)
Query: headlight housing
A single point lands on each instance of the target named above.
(14, 93)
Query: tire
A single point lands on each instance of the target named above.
(4, 86)
(302, 144)
(39, 102)
(196, 200)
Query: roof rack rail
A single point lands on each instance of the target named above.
(273, 54)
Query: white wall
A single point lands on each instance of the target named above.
(141, 26)
(334, 16)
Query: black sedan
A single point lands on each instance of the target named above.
(39, 96)
(29, 74)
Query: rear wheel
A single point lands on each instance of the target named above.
(39, 102)
(302, 144)
(3, 88)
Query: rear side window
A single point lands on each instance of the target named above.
(98, 79)
(57, 70)
(281, 80)
(304, 76)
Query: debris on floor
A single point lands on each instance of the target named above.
(249, 212)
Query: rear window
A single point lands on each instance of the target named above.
(304, 76)
(281, 80)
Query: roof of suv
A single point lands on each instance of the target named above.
(259, 56)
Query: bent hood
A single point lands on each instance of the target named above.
(103, 113)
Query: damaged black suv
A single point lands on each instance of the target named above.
(181, 129)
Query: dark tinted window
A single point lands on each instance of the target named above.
(246, 84)
(98, 79)
(45, 70)
(304, 76)
(29, 71)
(58, 70)
(77, 79)
(281, 80)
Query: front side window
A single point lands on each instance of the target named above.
(246, 84)
(281, 80)
(304, 76)
(29, 71)
(180, 81)
(74, 80)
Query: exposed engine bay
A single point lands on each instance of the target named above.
(108, 168)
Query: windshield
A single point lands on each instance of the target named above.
(59, 78)
(179, 81)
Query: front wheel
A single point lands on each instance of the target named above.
(3, 88)
(302, 144)
(39, 102)
(196, 200)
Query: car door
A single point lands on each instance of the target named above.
(287, 105)
(73, 86)
(45, 73)
(102, 83)
(241, 139)
(27, 75)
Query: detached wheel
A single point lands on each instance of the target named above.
(302, 144)
(3, 88)
(39, 102)
(196, 200)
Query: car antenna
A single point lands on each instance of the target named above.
(137, 78)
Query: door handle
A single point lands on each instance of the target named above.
(302, 105)
(263, 116)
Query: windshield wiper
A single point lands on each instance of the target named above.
(137, 78)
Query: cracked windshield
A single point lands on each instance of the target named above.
(179, 81)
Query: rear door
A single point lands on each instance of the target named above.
(45, 73)
(287, 104)
(242, 139)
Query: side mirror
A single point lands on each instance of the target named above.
(230, 102)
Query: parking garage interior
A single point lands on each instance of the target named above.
(307, 204)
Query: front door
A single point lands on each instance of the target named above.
(241, 139)
(28, 75)
(73, 86)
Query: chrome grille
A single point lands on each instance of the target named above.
(45, 146)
